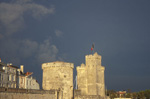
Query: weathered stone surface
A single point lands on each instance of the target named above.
(14, 93)
(88, 97)
(4, 95)
(90, 77)
(58, 75)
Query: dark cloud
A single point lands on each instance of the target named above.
(28, 48)
(12, 20)
(12, 14)
(46, 52)
(17, 50)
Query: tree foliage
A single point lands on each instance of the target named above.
(112, 94)
(134, 95)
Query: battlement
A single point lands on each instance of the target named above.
(14, 93)
(82, 66)
(93, 59)
(57, 64)
(93, 56)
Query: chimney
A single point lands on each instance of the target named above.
(22, 68)
(8, 64)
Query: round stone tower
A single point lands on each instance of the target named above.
(59, 76)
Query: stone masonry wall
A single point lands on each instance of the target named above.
(28, 94)
(5, 95)
(88, 97)
(77, 95)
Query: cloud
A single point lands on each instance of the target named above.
(46, 52)
(9, 50)
(28, 48)
(1, 36)
(12, 14)
(11, 21)
(17, 50)
(11, 17)
(58, 33)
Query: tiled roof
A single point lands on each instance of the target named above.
(28, 73)
(13, 66)
(2, 64)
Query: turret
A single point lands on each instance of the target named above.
(94, 59)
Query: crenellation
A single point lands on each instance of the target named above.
(57, 64)
(93, 59)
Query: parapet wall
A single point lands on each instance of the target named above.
(94, 59)
(88, 97)
(57, 64)
(6, 93)
(77, 95)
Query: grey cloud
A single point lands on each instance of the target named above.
(47, 52)
(38, 10)
(42, 52)
(58, 33)
(1, 36)
(28, 48)
(16, 50)
(11, 17)
(23, 1)
(11, 14)
(9, 50)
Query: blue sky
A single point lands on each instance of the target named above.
(36, 31)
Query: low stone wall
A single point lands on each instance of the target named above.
(123, 98)
(6, 93)
(88, 97)
(77, 95)
(26, 96)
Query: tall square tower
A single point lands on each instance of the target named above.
(90, 76)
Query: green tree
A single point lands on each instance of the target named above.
(112, 94)
(147, 94)
(134, 95)
(141, 95)
(129, 94)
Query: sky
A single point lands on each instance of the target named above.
(33, 32)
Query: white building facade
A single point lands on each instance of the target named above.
(32, 83)
(25, 80)
(14, 77)
(8, 75)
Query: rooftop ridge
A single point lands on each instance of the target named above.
(93, 55)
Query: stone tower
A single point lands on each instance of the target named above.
(59, 76)
(90, 76)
